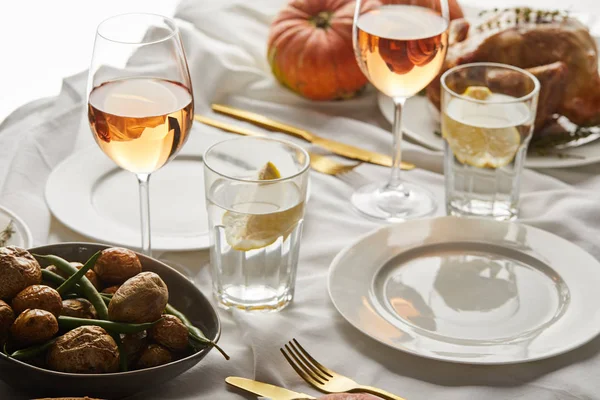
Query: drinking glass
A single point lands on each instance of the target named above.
(488, 113)
(255, 194)
(400, 47)
(140, 102)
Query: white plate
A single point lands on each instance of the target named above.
(421, 120)
(21, 236)
(91, 195)
(468, 290)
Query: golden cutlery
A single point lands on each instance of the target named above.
(225, 126)
(247, 132)
(265, 389)
(323, 378)
(318, 162)
(336, 147)
(326, 165)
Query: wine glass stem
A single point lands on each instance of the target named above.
(395, 182)
(144, 181)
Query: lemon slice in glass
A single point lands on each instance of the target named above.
(480, 135)
(260, 223)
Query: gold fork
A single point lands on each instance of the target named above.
(326, 165)
(323, 378)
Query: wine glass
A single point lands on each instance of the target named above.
(400, 46)
(140, 102)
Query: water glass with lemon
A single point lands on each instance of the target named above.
(256, 192)
(488, 114)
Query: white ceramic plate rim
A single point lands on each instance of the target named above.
(555, 351)
(71, 219)
(21, 227)
(95, 226)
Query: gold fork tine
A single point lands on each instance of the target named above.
(302, 363)
(300, 371)
(326, 165)
(314, 370)
(322, 378)
(320, 366)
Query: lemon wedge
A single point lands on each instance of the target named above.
(269, 172)
(478, 92)
(251, 229)
(472, 142)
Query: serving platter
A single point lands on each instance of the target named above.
(421, 119)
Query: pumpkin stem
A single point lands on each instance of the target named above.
(321, 20)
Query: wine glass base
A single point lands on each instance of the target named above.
(380, 202)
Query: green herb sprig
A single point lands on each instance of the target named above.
(7, 233)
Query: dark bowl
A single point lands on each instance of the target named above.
(183, 295)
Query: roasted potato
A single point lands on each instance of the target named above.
(85, 350)
(91, 275)
(79, 308)
(7, 317)
(153, 356)
(171, 333)
(34, 326)
(116, 265)
(39, 297)
(132, 345)
(111, 289)
(141, 299)
(18, 269)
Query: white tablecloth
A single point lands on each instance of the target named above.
(226, 45)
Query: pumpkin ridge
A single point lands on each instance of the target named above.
(285, 36)
(295, 10)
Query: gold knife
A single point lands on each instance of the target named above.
(266, 390)
(335, 147)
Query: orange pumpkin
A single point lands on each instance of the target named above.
(310, 48)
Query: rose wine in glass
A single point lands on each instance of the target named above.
(400, 47)
(140, 102)
(140, 123)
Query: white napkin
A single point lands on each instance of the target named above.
(226, 45)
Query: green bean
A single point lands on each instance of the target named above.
(52, 277)
(30, 352)
(194, 333)
(122, 354)
(87, 289)
(77, 276)
(118, 327)
(106, 298)
(58, 280)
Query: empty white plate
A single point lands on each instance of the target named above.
(469, 290)
(90, 194)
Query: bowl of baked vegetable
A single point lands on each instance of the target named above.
(81, 319)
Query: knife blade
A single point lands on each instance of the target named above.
(265, 389)
(339, 148)
(224, 126)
